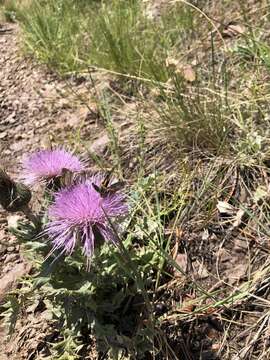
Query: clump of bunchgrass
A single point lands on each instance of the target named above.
(128, 41)
(54, 33)
(118, 36)
(189, 118)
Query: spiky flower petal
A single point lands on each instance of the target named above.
(81, 215)
(44, 165)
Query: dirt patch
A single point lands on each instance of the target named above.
(34, 103)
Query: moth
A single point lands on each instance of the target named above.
(68, 178)
(105, 188)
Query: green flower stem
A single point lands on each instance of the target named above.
(31, 216)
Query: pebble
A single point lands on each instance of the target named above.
(99, 146)
(11, 248)
(11, 118)
(18, 146)
(12, 241)
(3, 134)
(11, 257)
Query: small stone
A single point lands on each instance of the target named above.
(11, 248)
(16, 103)
(3, 134)
(18, 146)
(11, 257)
(213, 238)
(236, 273)
(100, 145)
(11, 117)
(182, 262)
(12, 241)
(10, 278)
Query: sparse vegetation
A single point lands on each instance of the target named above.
(192, 278)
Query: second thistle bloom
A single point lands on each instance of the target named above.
(80, 215)
(44, 165)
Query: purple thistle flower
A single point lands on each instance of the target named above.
(80, 214)
(44, 165)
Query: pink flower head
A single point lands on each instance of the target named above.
(80, 214)
(44, 165)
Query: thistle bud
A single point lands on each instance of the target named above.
(13, 196)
